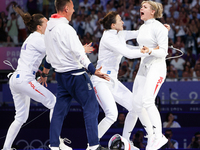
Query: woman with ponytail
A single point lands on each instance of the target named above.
(23, 84)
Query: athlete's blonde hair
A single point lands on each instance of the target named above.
(158, 7)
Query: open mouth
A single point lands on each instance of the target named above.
(141, 13)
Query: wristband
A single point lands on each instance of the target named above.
(91, 68)
(44, 75)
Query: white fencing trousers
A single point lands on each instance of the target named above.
(130, 121)
(23, 86)
(146, 86)
(107, 95)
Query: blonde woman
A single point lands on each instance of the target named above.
(152, 71)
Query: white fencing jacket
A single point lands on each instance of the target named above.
(112, 48)
(152, 34)
(32, 53)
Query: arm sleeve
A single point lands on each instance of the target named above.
(162, 41)
(114, 44)
(76, 47)
(131, 34)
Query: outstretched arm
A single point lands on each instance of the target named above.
(113, 43)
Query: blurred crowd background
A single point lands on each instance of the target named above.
(183, 16)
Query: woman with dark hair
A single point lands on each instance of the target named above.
(23, 84)
(111, 49)
(170, 122)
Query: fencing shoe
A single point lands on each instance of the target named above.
(62, 145)
(54, 148)
(150, 141)
(132, 146)
(159, 142)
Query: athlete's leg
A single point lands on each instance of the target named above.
(124, 97)
(40, 94)
(138, 93)
(154, 80)
(22, 104)
(107, 103)
(129, 124)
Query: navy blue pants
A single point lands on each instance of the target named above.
(80, 88)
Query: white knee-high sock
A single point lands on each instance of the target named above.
(103, 126)
(11, 134)
(130, 121)
(145, 121)
(154, 116)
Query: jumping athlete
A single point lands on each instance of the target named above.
(152, 71)
(22, 83)
(111, 49)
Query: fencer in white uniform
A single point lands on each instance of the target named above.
(152, 71)
(22, 83)
(111, 49)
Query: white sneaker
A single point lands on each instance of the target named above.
(132, 146)
(150, 140)
(62, 145)
(54, 148)
(87, 146)
(159, 142)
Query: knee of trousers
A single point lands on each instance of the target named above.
(21, 118)
(112, 115)
(50, 102)
(148, 102)
(88, 115)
